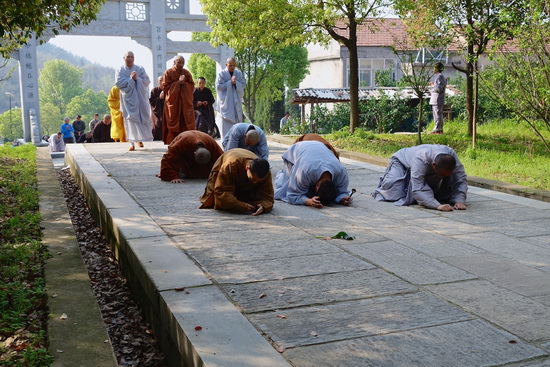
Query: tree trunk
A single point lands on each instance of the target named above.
(353, 80)
(476, 101)
(420, 110)
(470, 91)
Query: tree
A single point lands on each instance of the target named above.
(417, 74)
(11, 127)
(58, 83)
(87, 104)
(50, 118)
(24, 19)
(469, 23)
(242, 25)
(341, 19)
(269, 72)
(201, 64)
(521, 80)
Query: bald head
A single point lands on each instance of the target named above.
(129, 59)
(251, 138)
(202, 155)
(231, 64)
(179, 62)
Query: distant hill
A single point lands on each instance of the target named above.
(96, 77)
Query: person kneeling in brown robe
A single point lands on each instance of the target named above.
(241, 182)
(191, 154)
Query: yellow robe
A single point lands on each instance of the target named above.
(117, 121)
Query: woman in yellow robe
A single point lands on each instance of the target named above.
(117, 121)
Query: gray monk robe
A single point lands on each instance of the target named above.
(304, 163)
(410, 179)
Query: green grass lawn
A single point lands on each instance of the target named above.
(505, 151)
(23, 309)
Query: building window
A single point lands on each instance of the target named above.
(368, 69)
(136, 11)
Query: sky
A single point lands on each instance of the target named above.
(108, 51)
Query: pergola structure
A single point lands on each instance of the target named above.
(314, 96)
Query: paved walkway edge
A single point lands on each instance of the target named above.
(193, 320)
(81, 339)
(524, 191)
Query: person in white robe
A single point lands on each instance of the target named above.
(429, 175)
(133, 82)
(312, 175)
(230, 86)
(56, 143)
(247, 136)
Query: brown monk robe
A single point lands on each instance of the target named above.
(178, 87)
(319, 138)
(180, 156)
(234, 185)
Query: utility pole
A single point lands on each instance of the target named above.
(10, 96)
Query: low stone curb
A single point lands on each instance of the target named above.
(80, 339)
(485, 183)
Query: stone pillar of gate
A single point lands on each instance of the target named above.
(158, 38)
(28, 84)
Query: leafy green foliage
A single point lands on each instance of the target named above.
(489, 108)
(11, 127)
(474, 24)
(50, 118)
(87, 104)
(520, 81)
(268, 72)
(242, 24)
(58, 83)
(22, 255)
(202, 65)
(23, 18)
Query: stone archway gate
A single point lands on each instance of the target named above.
(146, 21)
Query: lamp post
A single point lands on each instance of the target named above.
(10, 96)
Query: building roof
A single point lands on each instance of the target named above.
(377, 32)
(391, 32)
(336, 95)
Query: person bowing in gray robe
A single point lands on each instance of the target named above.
(429, 175)
(133, 82)
(249, 137)
(230, 85)
(313, 176)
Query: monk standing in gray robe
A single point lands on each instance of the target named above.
(429, 175)
(230, 85)
(312, 175)
(133, 82)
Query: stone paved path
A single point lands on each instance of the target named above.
(416, 287)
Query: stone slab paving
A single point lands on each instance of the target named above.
(462, 344)
(354, 319)
(407, 263)
(518, 314)
(317, 289)
(416, 287)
